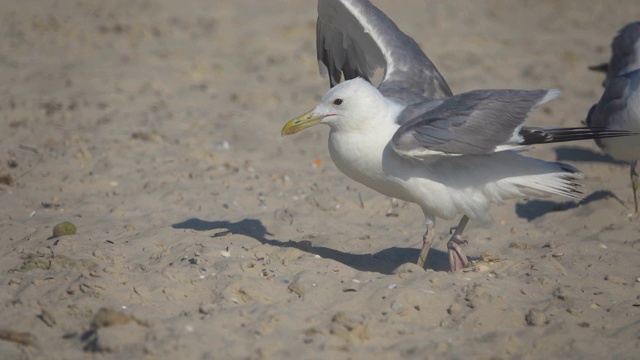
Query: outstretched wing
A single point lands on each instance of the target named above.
(482, 122)
(354, 38)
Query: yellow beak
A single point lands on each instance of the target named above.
(300, 123)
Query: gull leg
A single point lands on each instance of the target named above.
(457, 257)
(635, 167)
(427, 240)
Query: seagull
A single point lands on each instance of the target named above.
(410, 138)
(619, 106)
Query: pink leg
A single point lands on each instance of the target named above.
(457, 257)
(427, 240)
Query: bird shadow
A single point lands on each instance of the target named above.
(384, 262)
(534, 209)
(579, 154)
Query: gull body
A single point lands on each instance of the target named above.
(619, 106)
(411, 139)
(361, 146)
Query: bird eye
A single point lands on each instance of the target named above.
(337, 101)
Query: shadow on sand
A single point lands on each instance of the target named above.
(536, 208)
(578, 154)
(383, 262)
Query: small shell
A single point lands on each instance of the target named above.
(225, 253)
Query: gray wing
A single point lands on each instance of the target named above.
(476, 122)
(625, 48)
(354, 38)
(612, 102)
(482, 122)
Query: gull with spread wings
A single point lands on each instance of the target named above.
(410, 138)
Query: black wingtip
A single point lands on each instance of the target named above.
(532, 136)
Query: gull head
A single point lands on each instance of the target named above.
(349, 106)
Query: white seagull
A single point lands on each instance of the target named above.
(411, 139)
(619, 106)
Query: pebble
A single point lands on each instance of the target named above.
(107, 317)
(64, 228)
(206, 309)
(22, 338)
(574, 312)
(561, 294)
(305, 245)
(615, 279)
(535, 318)
(406, 269)
(223, 145)
(454, 309)
(481, 268)
(47, 318)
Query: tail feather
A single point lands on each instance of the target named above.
(567, 183)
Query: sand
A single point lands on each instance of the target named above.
(154, 127)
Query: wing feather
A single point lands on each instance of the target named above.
(476, 122)
(354, 38)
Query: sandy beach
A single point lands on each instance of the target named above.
(154, 128)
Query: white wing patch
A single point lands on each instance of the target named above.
(368, 29)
